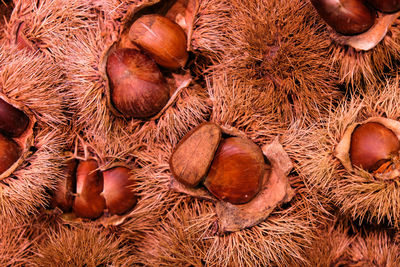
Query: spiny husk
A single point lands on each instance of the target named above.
(284, 65)
(45, 23)
(363, 69)
(338, 245)
(41, 91)
(6, 8)
(357, 193)
(15, 245)
(81, 246)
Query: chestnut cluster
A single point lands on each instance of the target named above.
(13, 124)
(138, 88)
(352, 17)
(231, 168)
(89, 192)
(373, 146)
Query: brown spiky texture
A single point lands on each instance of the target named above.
(48, 22)
(338, 245)
(35, 82)
(276, 48)
(15, 245)
(81, 246)
(118, 136)
(6, 8)
(357, 194)
(362, 70)
(278, 240)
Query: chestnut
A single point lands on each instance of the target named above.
(388, 6)
(372, 144)
(10, 152)
(118, 191)
(63, 194)
(162, 38)
(236, 173)
(13, 122)
(348, 17)
(193, 155)
(138, 88)
(89, 185)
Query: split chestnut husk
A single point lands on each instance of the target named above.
(348, 17)
(244, 187)
(138, 88)
(162, 38)
(16, 131)
(373, 146)
(63, 197)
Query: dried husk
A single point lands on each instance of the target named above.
(81, 246)
(362, 70)
(40, 95)
(340, 244)
(356, 193)
(6, 8)
(274, 191)
(283, 64)
(15, 243)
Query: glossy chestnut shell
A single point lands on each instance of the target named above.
(89, 185)
(162, 38)
(138, 88)
(10, 152)
(348, 17)
(388, 6)
(236, 173)
(118, 190)
(372, 144)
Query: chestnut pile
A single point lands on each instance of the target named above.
(14, 135)
(138, 88)
(231, 168)
(352, 17)
(89, 192)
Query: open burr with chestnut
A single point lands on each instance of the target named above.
(363, 23)
(221, 165)
(373, 146)
(16, 135)
(144, 68)
(90, 192)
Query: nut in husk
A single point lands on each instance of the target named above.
(348, 17)
(162, 38)
(264, 193)
(193, 155)
(138, 88)
(16, 130)
(373, 146)
(118, 192)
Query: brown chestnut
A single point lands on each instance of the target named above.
(10, 152)
(348, 17)
(162, 38)
(118, 192)
(236, 173)
(388, 6)
(138, 88)
(193, 155)
(63, 194)
(13, 122)
(89, 185)
(372, 144)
